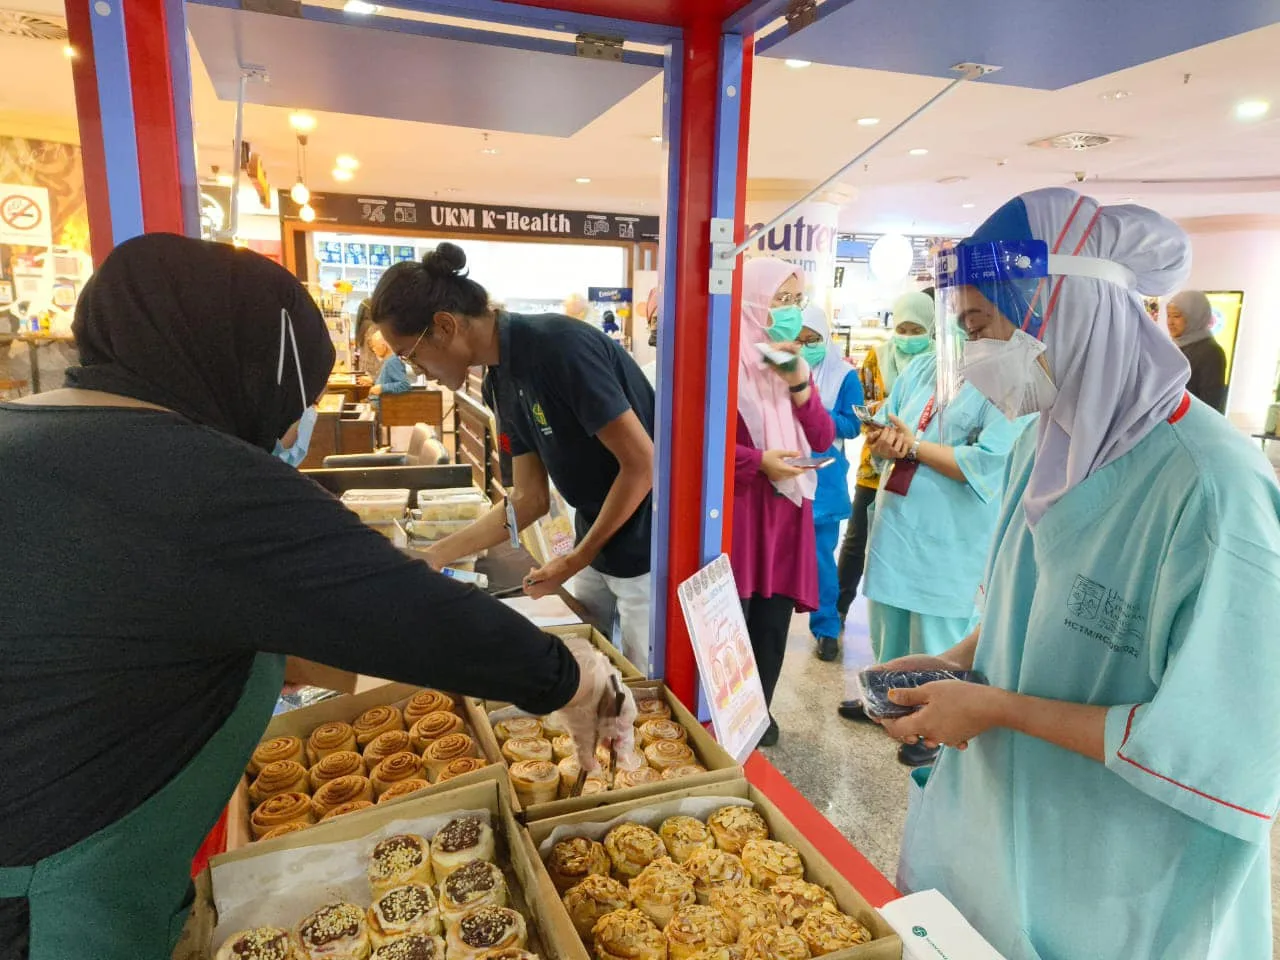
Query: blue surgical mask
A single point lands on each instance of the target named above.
(912, 344)
(295, 454)
(814, 353)
(785, 323)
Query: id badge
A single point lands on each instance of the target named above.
(900, 476)
(513, 526)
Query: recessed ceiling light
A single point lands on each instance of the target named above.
(917, 151)
(582, 180)
(1116, 95)
(967, 206)
(1252, 109)
(225, 179)
(360, 7)
(69, 52)
(302, 122)
(798, 64)
(868, 121)
(656, 138)
(490, 151)
(342, 173)
(346, 161)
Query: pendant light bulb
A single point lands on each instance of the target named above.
(307, 213)
(300, 194)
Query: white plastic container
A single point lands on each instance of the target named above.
(435, 529)
(446, 492)
(462, 507)
(377, 506)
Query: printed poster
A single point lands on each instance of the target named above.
(726, 662)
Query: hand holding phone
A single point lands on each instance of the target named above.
(775, 357)
(809, 463)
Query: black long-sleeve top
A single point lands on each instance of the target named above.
(1208, 373)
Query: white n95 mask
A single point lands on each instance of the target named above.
(1009, 374)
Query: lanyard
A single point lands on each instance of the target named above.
(927, 417)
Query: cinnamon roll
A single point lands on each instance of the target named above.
(282, 776)
(403, 910)
(827, 930)
(484, 929)
(573, 860)
(434, 726)
(635, 778)
(403, 789)
(477, 883)
(343, 790)
(459, 766)
(396, 769)
(275, 750)
(285, 829)
(553, 726)
(628, 935)
(517, 728)
(775, 943)
(438, 753)
(651, 731)
(665, 754)
(335, 932)
(695, 928)
(651, 708)
(592, 899)
(746, 910)
(460, 841)
(425, 703)
(563, 747)
(631, 848)
(343, 809)
(527, 748)
(416, 946)
(281, 809)
(592, 785)
(662, 888)
(685, 836)
(535, 781)
(767, 860)
(261, 943)
(714, 870)
(386, 745)
(683, 770)
(332, 737)
(344, 763)
(734, 826)
(797, 899)
(399, 861)
(375, 721)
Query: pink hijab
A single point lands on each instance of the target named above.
(764, 403)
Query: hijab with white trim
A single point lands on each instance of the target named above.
(830, 373)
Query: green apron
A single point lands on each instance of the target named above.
(124, 892)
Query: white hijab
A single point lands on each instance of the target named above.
(830, 373)
(1118, 374)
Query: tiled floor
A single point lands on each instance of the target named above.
(849, 771)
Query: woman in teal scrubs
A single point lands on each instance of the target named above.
(1112, 792)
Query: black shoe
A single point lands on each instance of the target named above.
(770, 737)
(917, 755)
(852, 710)
(828, 649)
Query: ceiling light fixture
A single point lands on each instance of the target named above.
(917, 151)
(360, 7)
(346, 161)
(300, 194)
(1252, 109)
(582, 180)
(868, 121)
(1112, 95)
(656, 138)
(69, 52)
(342, 174)
(307, 213)
(490, 151)
(967, 206)
(302, 122)
(798, 64)
(224, 179)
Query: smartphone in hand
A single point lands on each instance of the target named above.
(866, 417)
(775, 357)
(810, 463)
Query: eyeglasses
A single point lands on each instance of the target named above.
(407, 355)
(791, 300)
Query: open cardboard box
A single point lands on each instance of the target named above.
(299, 723)
(885, 945)
(720, 765)
(551, 935)
(625, 667)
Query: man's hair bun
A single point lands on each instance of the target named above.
(446, 260)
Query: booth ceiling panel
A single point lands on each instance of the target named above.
(1045, 44)
(341, 68)
(671, 12)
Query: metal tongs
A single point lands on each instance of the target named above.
(619, 698)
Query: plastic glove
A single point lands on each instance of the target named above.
(589, 715)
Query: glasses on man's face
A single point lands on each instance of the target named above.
(791, 300)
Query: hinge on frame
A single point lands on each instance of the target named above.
(722, 266)
(800, 13)
(594, 46)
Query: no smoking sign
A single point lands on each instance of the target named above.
(24, 215)
(20, 213)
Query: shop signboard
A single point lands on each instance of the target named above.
(609, 294)
(473, 219)
(726, 662)
(24, 216)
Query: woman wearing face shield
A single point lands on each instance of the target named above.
(1112, 791)
(141, 662)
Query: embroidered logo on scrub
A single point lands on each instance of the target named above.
(540, 418)
(1104, 615)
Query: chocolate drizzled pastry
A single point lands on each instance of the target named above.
(460, 834)
(331, 923)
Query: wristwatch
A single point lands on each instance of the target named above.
(799, 387)
(915, 449)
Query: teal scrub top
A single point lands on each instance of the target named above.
(927, 551)
(1152, 588)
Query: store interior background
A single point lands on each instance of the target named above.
(1177, 145)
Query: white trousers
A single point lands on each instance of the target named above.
(628, 598)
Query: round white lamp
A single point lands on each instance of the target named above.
(891, 258)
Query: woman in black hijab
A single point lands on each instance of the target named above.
(158, 560)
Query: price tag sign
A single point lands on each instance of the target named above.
(726, 662)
